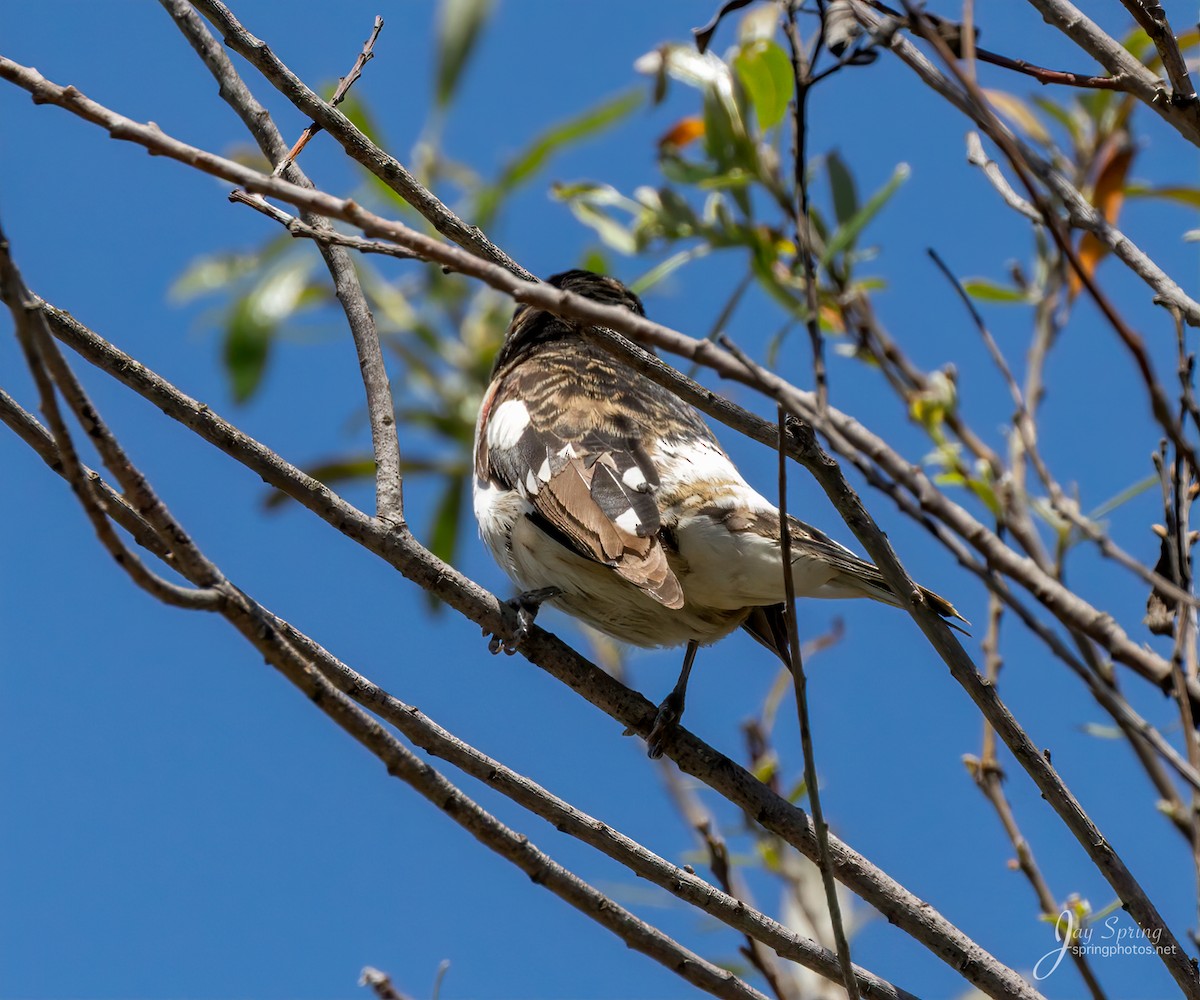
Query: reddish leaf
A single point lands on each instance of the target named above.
(684, 131)
(1109, 194)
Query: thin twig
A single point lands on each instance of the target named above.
(1177, 482)
(801, 76)
(985, 770)
(39, 348)
(301, 230)
(1042, 74)
(800, 684)
(339, 94)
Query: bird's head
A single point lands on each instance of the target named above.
(598, 287)
(532, 325)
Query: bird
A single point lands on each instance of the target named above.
(602, 494)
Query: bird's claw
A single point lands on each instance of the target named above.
(524, 608)
(665, 720)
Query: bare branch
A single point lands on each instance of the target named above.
(1152, 19)
(47, 368)
(339, 94)
(327, 235)
(1114, 57)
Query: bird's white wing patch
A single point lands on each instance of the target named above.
(507, 424)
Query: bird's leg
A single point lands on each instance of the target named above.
(671, 709)
(525, 606)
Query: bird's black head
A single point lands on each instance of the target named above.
(532, 326)
(597, 287)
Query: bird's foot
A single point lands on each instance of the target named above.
(666, 719)
(524, 608)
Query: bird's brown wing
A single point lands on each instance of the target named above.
(590, 480)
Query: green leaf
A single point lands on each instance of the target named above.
(596, 260)
(211, 274)
(841, 184)
(1138, 44)
(566, 133)
(666, 267)
(1123, 498)
(444, 536)
(591, 122)
(1018, 113)
(1188, 196)
(987, 494)
(255, 318)
(766, 769)
(990, 291)
(720, 130)
(798, 792)
(360, 115)
(247, 345)
(460, 23)
(588, 202)
(766, 73)
(1063, 116)
(846, 235)
(617, 236)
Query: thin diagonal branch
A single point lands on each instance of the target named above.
(339, 94)
(800, 685)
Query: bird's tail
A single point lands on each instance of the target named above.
(869, 582)
(854, 576)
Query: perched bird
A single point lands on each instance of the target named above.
(603, 494)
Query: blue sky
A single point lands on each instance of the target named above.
(179, 822)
